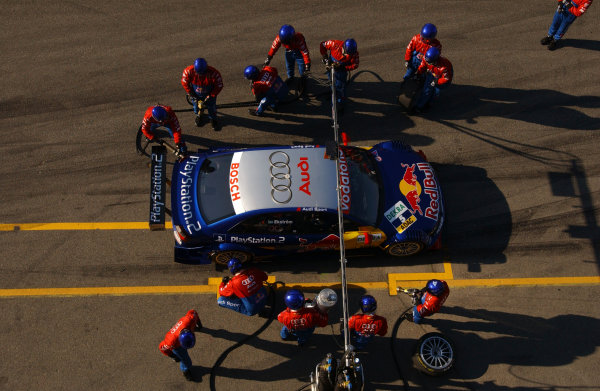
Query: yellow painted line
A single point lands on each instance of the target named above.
(394, 278)
(212, 287)
(494, 282)
(78, 226)
(108, 291)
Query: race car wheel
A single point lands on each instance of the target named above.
(404, 249)
(434, 354)
(222, 257)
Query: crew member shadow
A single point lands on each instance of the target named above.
(588, 44)
(544, 107)
(519, 340)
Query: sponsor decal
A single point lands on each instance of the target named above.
(219, 238)
(330, 242)
(405, 224)
(256, 239)
(186, 201)
(304, 175)
(396, 211)
(311, 209)
(431, 189)
(234, 183)
(158, 166)
(376, 155)
(398, 215)
(281, 178)
(344, 183)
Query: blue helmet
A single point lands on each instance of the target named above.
(159, 113)
(286, 33)
(350, 46)
(234, 265)
(187, 339)
(435, 287)
(294, 299)
(432, 55)
(429, 31)
(368, 304)
(200, 65)
(251, 72)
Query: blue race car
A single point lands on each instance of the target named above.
(275, 200)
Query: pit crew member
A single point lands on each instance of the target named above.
(298, 321)
(343, 57)
(439, 76)
(295, 51)
(267, 87)
(203, 83)
(244, 292)
(363, 327)
(181, 338)
(432, 298)
(418, 46)
(161, 115)
(565, 14)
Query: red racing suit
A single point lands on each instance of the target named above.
(171, 341)
(302, 319)
(349, 61)
(297, 43)
(420, 46)
(266, 78)
(441, 71)
(172, 123)
(579, 6)
(244, 283)
(368, 324)
(211, 79)
(431, 304)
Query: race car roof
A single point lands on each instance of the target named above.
(286, 177)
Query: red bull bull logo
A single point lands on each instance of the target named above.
(411, 188)
(330, 242)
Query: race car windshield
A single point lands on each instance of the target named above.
(361, 199)
(213, 189)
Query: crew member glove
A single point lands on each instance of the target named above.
(198, 326)
(432, 83)
(174, 357)
(325, 61)
(268, 60)
(182, 148)
(225, 280)
(307, 67)
(405, 64)
(158, 141)
(567, 4)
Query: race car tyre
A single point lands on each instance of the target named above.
(222, 257)
(434, 354)
(142, 143)
(410, 92)
(405, 249)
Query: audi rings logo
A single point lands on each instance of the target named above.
(281, 179)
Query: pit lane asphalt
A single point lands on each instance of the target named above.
(515, 143)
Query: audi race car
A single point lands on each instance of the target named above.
(275, 200)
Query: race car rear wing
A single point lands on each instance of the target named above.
(158, 185)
